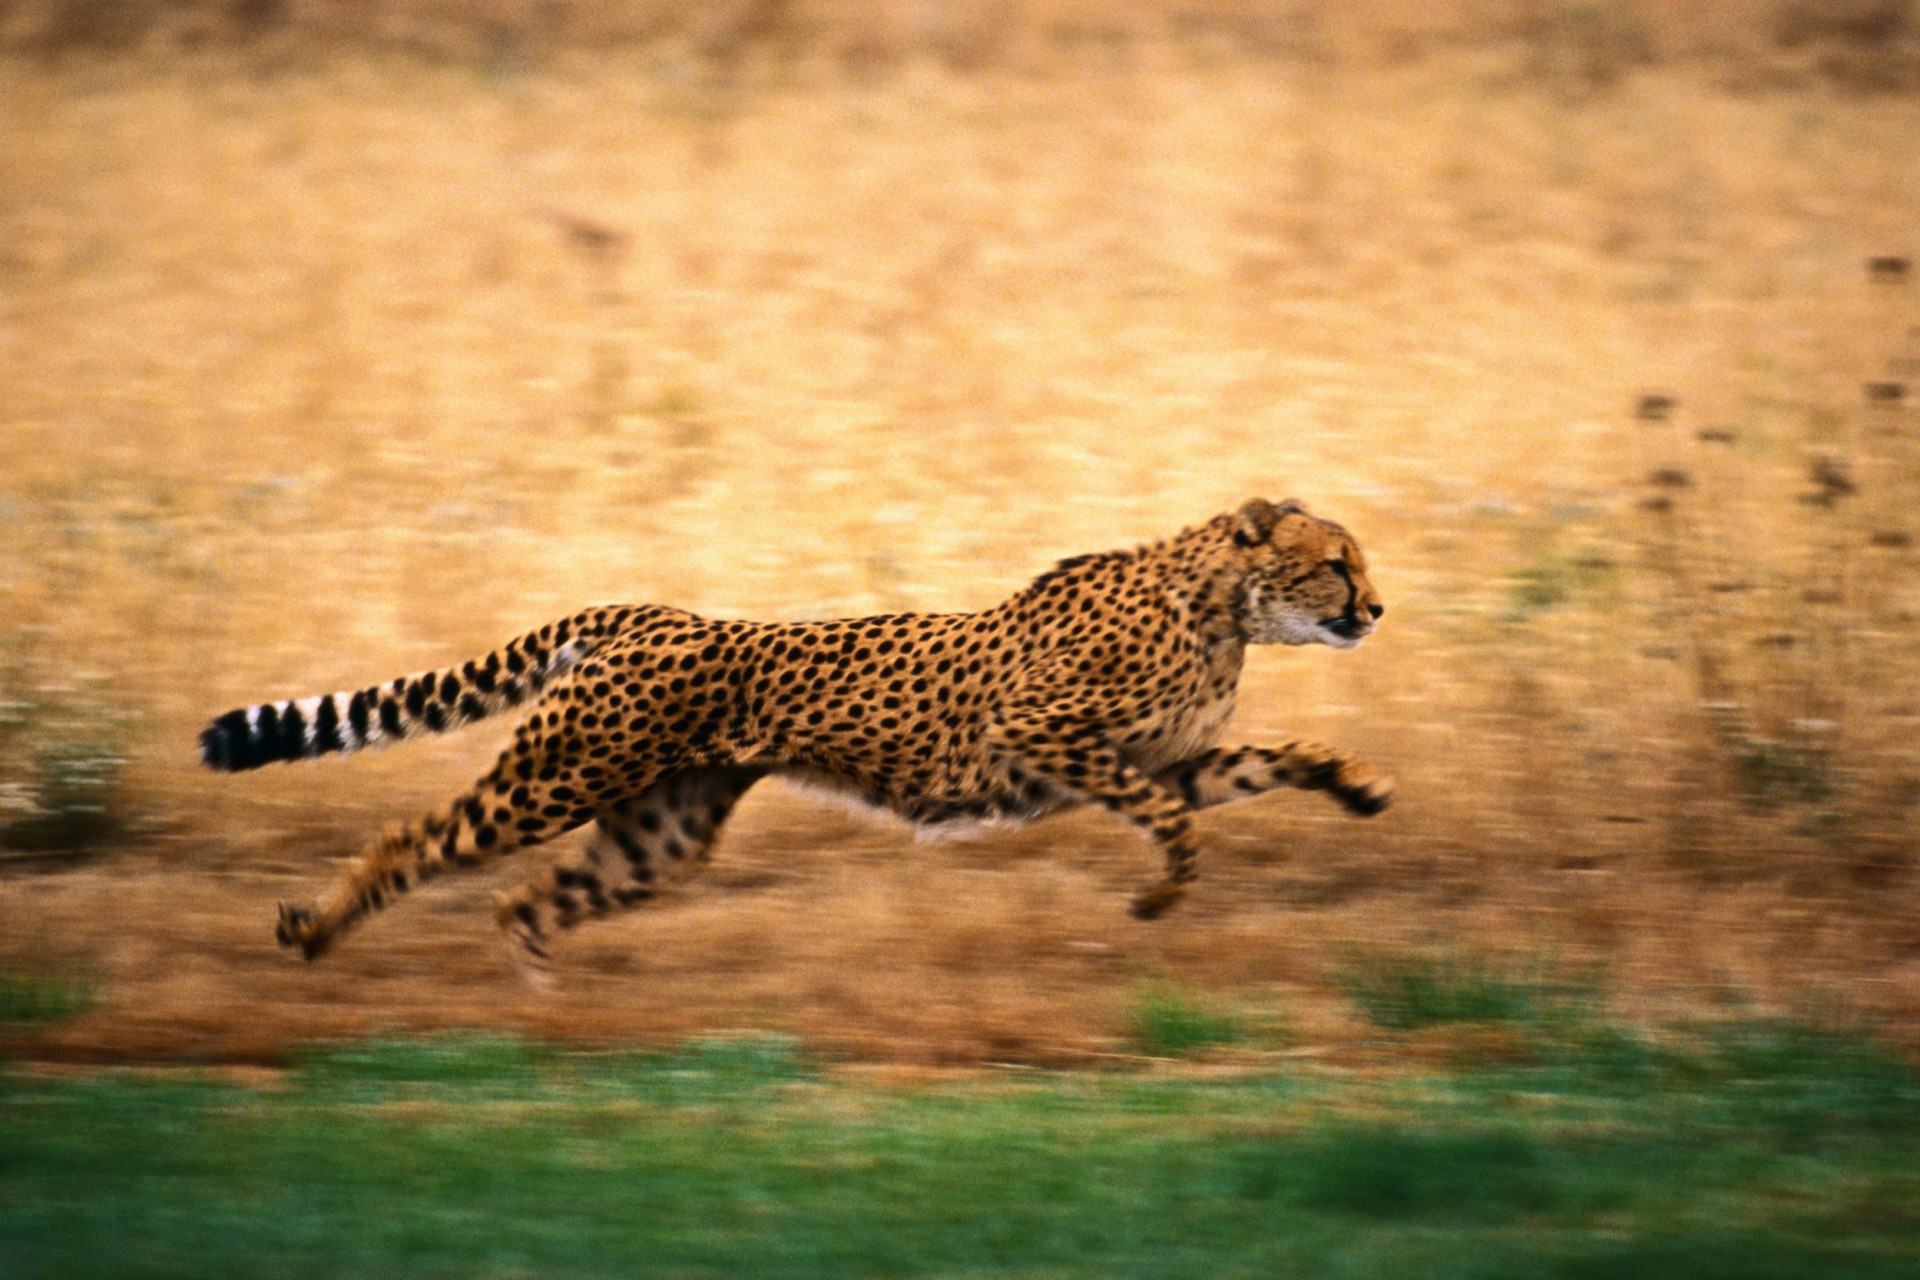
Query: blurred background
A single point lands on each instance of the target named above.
(339, 341)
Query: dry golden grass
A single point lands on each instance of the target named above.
(317, 372)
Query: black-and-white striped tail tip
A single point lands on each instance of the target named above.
(248, 738)
(227, 744)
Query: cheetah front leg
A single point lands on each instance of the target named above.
(1226, 774)
(1077, 758)
(638, 845)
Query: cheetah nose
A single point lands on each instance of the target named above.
(1377, 610)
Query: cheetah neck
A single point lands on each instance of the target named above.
(1211, 601)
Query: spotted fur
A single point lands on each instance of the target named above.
(1106, 680)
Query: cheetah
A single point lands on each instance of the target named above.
(1106, 680)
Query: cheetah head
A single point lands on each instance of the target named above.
(1303, 580)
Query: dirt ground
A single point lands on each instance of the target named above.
(998, 946)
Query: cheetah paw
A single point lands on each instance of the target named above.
(524, 950)
(1365, 795)
(296, 928)
(1151, 904)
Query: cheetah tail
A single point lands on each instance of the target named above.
(435, 701)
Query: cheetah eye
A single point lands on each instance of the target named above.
(1340, 567)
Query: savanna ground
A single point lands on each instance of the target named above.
(331, 351)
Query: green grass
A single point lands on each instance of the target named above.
(25, 999)
(476, 1069)
(1405, 992)
(1168, 1023)
(1759, 1151)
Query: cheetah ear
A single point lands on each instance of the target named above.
(1254, 522)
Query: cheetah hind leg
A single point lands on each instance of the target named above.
(404, 855)
(495, 817)
(637, 846)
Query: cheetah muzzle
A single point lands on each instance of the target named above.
(1108, 680)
